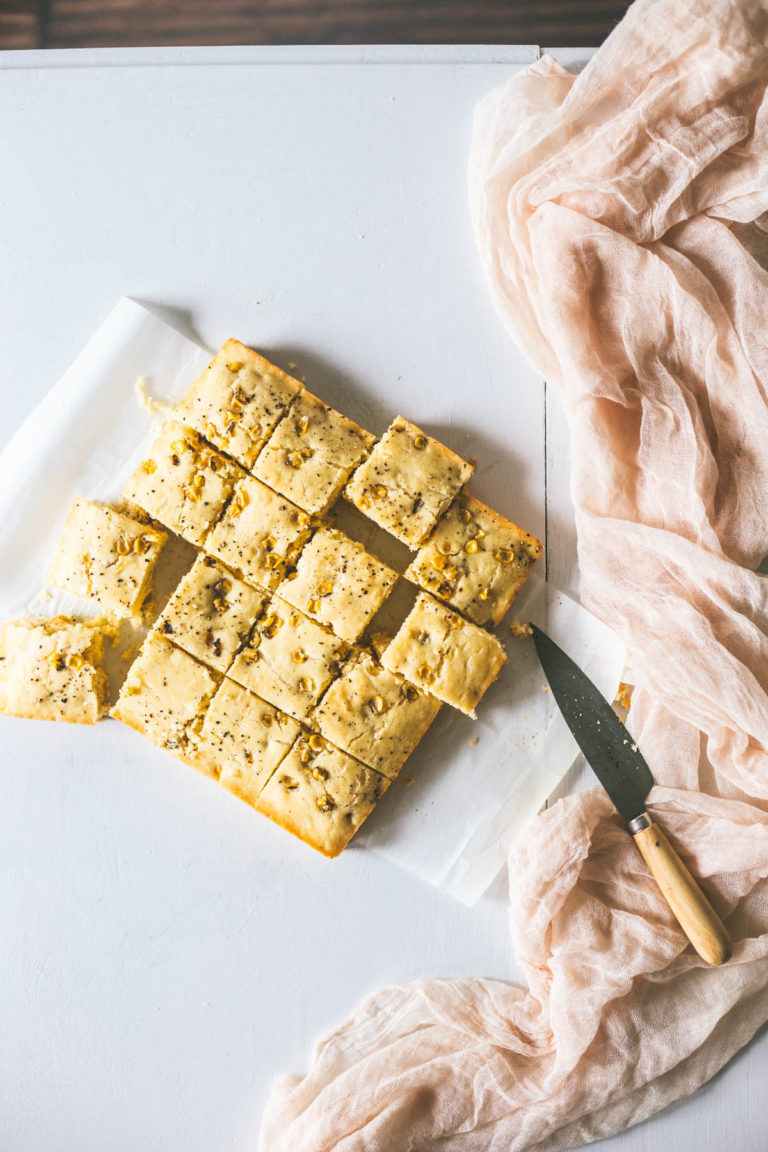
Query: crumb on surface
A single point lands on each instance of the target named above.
(520, 628)
(408, 780)
(473, 742)
(624, 696)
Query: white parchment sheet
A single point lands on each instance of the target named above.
(471, 786)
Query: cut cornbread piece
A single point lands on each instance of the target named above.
(290, 660)
(338, 583)
(311, 454)
(237, 401)
(106, 556)
(408, 480)
(242, 740)
(445, 655)
(183, 483)
(259, 534)
(321, 794)
(211, 613)
(51, 669)
(475, 559)
(165, 695)
(375, 716)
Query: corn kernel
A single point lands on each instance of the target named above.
(325, 803)
(302, 424)
(409, 692)
(220, 603)
(471, 546)
(313, 606)
(293, 459)
(211, 432)
(447, 549)
(420, 442)
(179, 447)
(267, 719)
(235, 365)
(439, 562)
(465, 515)
(379, 491)
(123, 546)
(450, 572)
(506, 555)
(483, 594)
(456, 622)
(192, 494)
(288, 783)
(273, 561)
(479, 533)
(75, 660)
(320, 773)
(58, 662)
(198, 481)
(426, 673)
(306, 684)
(269, 543)
(142, 544)
(377, 705)
(300, 656)
(305, 753)
(316, 742)
(324, 588)
(149, 466)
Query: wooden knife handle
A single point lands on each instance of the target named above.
(692, 910)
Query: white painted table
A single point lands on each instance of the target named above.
(165, 954)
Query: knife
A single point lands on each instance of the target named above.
(616, 761)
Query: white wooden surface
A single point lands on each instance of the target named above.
(165, 954)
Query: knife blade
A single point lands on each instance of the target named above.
(618, 764)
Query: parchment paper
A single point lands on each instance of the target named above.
(471, 786)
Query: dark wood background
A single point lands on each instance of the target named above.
(125, 23)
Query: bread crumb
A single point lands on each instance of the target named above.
(408, 781)
(520, 628)
(473, 742)
(624, 696)
(148, 403)
(546, 688)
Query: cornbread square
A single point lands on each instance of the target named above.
(166, 695)
(311, 454)
(290, 660)
(475, 559)
(183, 483)
(242, 741)
(373, 715)
(338, 583)
(106, 556)
(445, 655)
(321, 794)
(51, 669)
(259, 534)
(237, 401)
(211, 613)
(407, 482)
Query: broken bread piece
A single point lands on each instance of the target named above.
(374, 715)
(260, 533)
(211, 613)
(242, 740)
(338, 583)
(476, 560)
(237, 401)
(444, 655)
(51, 669)
(165, 695)
(407, 482)
(183, 483)
(289, 660)
(106, 556)
(311, 454)
(321, 794)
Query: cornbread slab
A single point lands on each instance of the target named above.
(407, 482)
(290, 660)
(183, 483)
(338, 583)
(311, 454)
(321, 794)
(259, 534)
(51, 669)
(375, 716)
(211, 613)
(166, 695)
(476, 560)
(242, 740)
(237, 401)
(106, 556)
(444, 655)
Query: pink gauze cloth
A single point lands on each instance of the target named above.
(618, 217)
